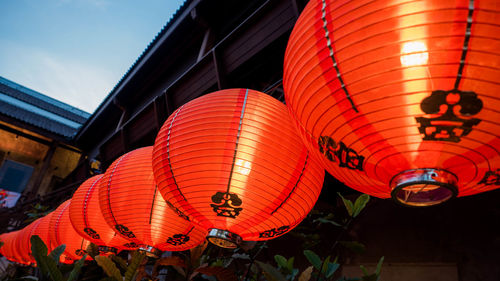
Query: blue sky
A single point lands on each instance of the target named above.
(76, 50)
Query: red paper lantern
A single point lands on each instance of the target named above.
(233, 162)
(87, 219)
(132, 205)
(42, 230)
(400, 98)
(62, 232)
(9, 249)
(24, 242)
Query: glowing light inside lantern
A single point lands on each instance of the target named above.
(243, 167)
(414, 53)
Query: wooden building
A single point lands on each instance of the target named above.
(212, 45)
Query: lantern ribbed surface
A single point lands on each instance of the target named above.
(132, 205)
(42, 230)
(87, 219)
(62, 232)
(232, 162)
(24, 242)
(9, 249)
(400, 95)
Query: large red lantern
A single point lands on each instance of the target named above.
(132, 205)
(400, 98)
(62, 232)
(87, 219)
(233, 162)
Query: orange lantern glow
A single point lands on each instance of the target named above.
(42, 230)
(232, 162)
(24, 242)
(9, 250)
(62, 232)
(87, 219)
(400, 98)
(132, 205)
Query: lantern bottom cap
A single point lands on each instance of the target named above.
(150, 251)
(423, 187)
(223, 238)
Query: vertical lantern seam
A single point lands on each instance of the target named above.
(109, 188)
(58, 221)
(331, 55)
(85, 203)
(237, 140)
(465, 47)
(168, 152)
(295, 186)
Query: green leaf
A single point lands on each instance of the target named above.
(39, 252)
(290, 263)
(313, 259)
(353, 246)
(365, 271)
(360, 204)
(119, 261)
(281, 261)
(109, 267)
(306, 274)
(324, 265)
(137, 258)
(379, 266)
(332, 267)
(54, 272)
(323, 220)
(76, 269)
(348, 204)
(57, 252)
(92, 250)
(1, 244)
(271, 273)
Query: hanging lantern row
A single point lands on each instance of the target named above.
(229, 166)
(399, 98)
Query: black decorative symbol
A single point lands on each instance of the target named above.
(491, 178)
(448, 126)
(273, 232)
(80, 252)
(124, 230)
(177, 211)
(131, 245)
(178, 239)
(347, 157)
(68, 258)
(225, 204)
(92, 233)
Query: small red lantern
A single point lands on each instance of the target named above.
(132, 205)
(9, 249)
(62, 232)
(24, 242)
(400, 98)
(233, 162)
(87, 219)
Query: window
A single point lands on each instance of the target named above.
(14, 176)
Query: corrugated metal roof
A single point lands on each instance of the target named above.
(36, 109)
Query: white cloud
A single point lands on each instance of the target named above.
(69, 80)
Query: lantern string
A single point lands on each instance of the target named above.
(331, 55)
(237, 140)
(293, 189)
(153, 204)
(465, 47)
